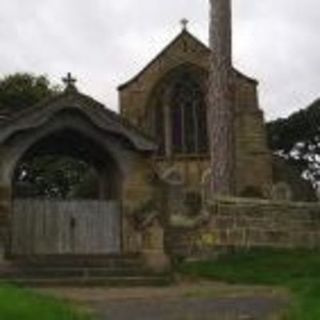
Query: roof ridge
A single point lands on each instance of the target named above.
(183, 33)
(86, 99)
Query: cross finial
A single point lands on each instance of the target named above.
(69, 81)
(184, 22)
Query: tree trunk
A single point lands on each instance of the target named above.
(220, 114)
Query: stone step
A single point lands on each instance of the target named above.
(110, 261)
(137, 281)
(69, 272)
(113, 271)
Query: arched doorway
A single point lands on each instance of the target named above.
(37, 218)
(66, 190)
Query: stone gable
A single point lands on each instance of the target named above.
(253, 162)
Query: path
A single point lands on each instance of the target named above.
(199, 301)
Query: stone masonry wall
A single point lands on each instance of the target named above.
(5, 207)
(253, 169)
(239, 223)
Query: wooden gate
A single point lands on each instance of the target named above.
(45, 227)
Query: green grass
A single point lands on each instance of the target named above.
(299, 271)
(22, 304)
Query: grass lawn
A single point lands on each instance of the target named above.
(299, 271)
(22, 304)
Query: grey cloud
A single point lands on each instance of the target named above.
(104, 42)
(276, 41)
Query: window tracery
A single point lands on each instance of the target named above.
(180, 120)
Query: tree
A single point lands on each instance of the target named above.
(220, 115)
(297, 140)
(22, 90)
(50, 176)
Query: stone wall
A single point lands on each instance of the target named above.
(139, 199)
(5, 207)
(239, 223)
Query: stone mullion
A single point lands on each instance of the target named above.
(183, 125)
(167, 125)
(196, 126)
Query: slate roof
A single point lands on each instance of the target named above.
(105, 119)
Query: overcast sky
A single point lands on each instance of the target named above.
(104, 43)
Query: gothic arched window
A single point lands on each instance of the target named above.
(179, 116)
(188, 116)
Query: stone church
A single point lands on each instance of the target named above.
(152, 161)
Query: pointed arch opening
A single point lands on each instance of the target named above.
(178, 112)
(66, 189)
(66, 165)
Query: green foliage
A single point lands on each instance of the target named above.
(297, 139)
(22, 90)
(24, 304)
(86, 186)
(51, 176)
(299, 271)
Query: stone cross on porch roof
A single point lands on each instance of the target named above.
(70, 82)
(184, 23)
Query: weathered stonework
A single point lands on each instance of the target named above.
(244, 224)
(252, 158)
(150, 187)
(122, 155)
(154, 255)
(5, 210)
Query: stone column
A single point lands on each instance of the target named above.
(5, 205)
(137, 192)
(155, 258)
(5, 213)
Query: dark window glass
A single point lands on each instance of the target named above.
(184, 96)
(188, 116)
